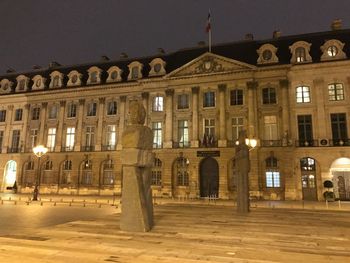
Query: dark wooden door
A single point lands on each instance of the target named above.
(209, 178)
(309, 186)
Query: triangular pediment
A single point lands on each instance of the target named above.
(209, 63)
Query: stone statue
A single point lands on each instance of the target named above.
(137, 160)
(242, 167)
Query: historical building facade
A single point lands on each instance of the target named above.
(290, 93)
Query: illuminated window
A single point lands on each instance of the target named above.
(51, 138)
(157, 134)
(303, 94)
(112, 108)
(183, 134)
(336, 91)
(157, 172)
(70, 136)
(300, 54)
(182, 174)
(158, 104)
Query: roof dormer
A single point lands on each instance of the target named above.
(56, 80)
(267, 54)
(38, 82)
(22, 83)
(6, 86)
(74, 78)
(332, 50)
(135, 70)
(114, 74)
(157, 67)
(300, 52)
(94, 75)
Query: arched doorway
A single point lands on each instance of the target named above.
(340, 170)
(9, 175)
(209, 177)
(308, 178)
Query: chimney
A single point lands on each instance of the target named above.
(36, 67)
(123, 55)
(249, 36)
(201, 43)
(276, 34)
(161, 50)
(54, 64)
(336, 24)
(104, 58)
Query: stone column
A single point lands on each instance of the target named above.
(98, 143)
(322, 129)
(145, 97)
(59, 133)
(121, 120)
(168, 142)
(137, 160)
(7, 132)
(42, 123)
(285, 111)
(24, 134)
(222, 118)
(252, 111)
(194, 140)
(79, 131)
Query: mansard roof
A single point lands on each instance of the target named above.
(244, 51)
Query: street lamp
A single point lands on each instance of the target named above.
(39, 151)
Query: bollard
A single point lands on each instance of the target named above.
(70, 203)
(339, 204)
(327, 204)
(54, 204)
(20, 199)
(84, 204)
(27, 202)
(100, 206)
(50, 200)
(15, 203)
(9, 198)
(41, 203)
(2, 202)
(95, 201)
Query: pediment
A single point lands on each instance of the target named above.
(210, 63)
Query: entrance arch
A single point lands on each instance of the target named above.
(10, 175)
(340, 170)
(209, 177)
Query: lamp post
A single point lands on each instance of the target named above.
(242, 161)
(39, 151)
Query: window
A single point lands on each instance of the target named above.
(303, 94)
(112, 108)
(336, 91)
(93, 77)
(209, 99)
(48, 165)
(70, 138)
(72, 110)
(269, 95)
(22, 84)
(111, 137)
(237, 126)
(66, 172)
(18, 114)
(51, 139)
(182, 174)
(67, 165)
(33, 137)
(270, 128)
(47, 177)
(267, 55)
(56, 81)
(300, 54)
(16, 134)
(1, 139)
(36, 113)
(53, 112)
(134, 72)
(2, 115)
(209, 133)
(30, 165)
(157, 172)
(158, 103)
(339, 128)
(91, 110)
(183, 137)
(157, 134)
(86, 177)
(236, 97)
(305, 130)
(90, 138)
(182, 101)
(332, 51)
(272, 174)
(308, 172)
(108, 174)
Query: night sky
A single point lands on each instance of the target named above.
(35, 32)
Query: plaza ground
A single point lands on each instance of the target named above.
(87, 230)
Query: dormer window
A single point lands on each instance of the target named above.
(267, 54)
(38, 82)
(94, 75)
(56, 79)
(157, 67)
(5, 86)
(74, 78)
(300, 52)
(135, 70)
(332, 49)
(22, 83)
(114, 74)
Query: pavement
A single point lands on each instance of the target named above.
(192, 231)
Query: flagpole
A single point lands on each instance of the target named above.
(208, 29)
(209, 35)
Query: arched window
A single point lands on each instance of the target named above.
(48, 173)
(300, 54)
(108, 174)
(86, 177)
(66, 172)
(272, 173)
(182, 165)
(157, 172)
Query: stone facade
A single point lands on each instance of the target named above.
(290, 93)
